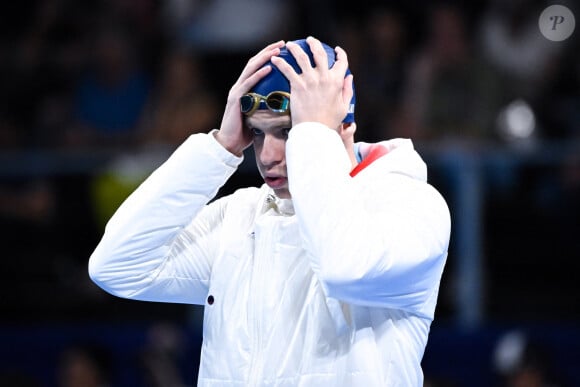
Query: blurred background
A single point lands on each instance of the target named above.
(94, 95)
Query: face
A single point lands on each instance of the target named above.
(270, 131)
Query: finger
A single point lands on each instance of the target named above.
(254, 78)
(246, 81)
(285, 68)
(278, 44)
(266, 51)
(271, 47)
(347, 89)
(261, 58)
(245, 84)
(300, 56)
(341, 63)
(318, 52)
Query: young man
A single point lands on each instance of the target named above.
(324, 276)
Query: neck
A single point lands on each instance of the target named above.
(351, 156)
(346, 131)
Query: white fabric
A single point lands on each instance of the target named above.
(341, 293)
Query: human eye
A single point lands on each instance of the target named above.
(285, 131)
(257, 132)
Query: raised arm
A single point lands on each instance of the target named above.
(160, 244)
(151, 250)
(380, 238)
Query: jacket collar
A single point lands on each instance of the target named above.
(277, 206)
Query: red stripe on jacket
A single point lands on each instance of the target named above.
(376, 152)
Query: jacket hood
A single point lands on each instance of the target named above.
(403, 158)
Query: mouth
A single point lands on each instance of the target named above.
(276, 181)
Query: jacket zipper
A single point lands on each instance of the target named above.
(263, 244)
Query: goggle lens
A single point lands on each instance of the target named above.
(276, 101)
(246, 103)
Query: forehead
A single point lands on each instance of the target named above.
(265, 119)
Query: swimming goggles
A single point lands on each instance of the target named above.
(276, 101)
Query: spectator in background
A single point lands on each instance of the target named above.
(449, 93)
(181, 104)
(526, 62)
(84, 365)
(112, 94)
(511, 43)
(38, 70)
(226, 25)
(163, 356)
(559, 100)
(519, 361)
(381, 71)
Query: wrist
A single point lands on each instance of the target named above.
(231, 146)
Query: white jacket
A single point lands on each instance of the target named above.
(336, 287)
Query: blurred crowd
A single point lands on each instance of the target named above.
(111, 87)
(95, 94)
(131, 73)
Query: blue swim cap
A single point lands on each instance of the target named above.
(276, 81)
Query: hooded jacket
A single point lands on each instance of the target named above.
(335, 287)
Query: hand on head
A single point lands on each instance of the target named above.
(232, 134)
(318, 93)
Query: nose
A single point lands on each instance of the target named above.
(272, 151)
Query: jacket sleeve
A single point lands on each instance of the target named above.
(382, 244)
(160, 243)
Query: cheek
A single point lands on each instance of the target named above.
(257, 151)
(258, 146)
(270, 147)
